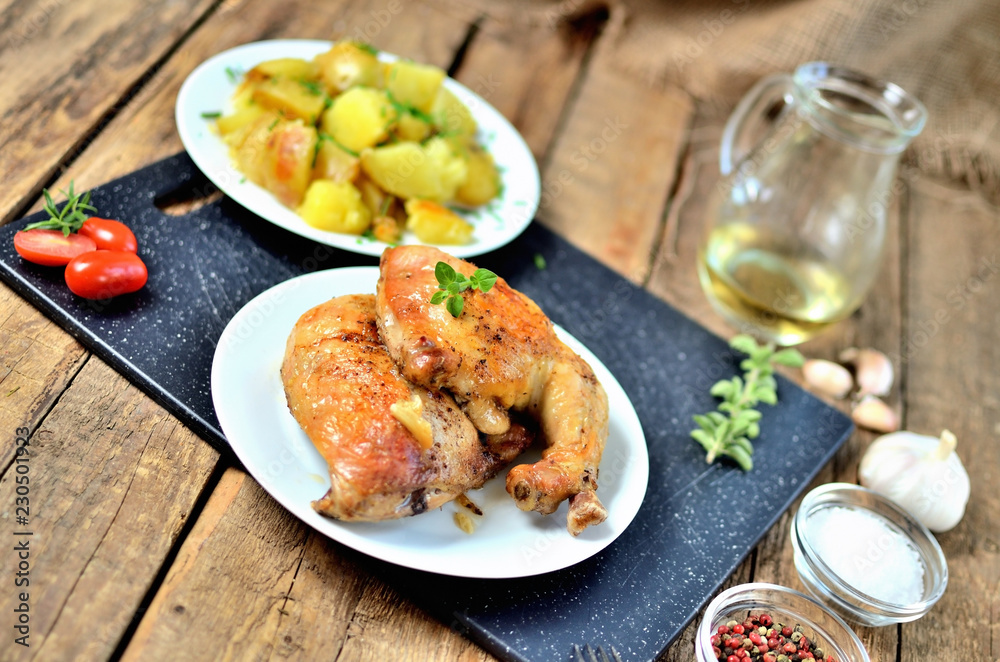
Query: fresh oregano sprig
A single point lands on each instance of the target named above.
(451, 284)
(727, 431)
(68, 219)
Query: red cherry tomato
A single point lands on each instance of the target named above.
(50, 247)
(105, 274)
(109, 235)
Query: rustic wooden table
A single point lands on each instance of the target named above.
(148, 545)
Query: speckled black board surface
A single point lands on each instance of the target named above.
(697, 522)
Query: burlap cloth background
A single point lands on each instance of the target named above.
(946, 52)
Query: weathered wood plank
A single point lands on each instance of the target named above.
(951, 361)
(527, 73)
(320, 612)
(228, 586)
(37, 360)
(113, 478)
(67, 66)
(383, 619)
(145, 131)
(608, 177)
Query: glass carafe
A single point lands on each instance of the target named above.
(797, 224)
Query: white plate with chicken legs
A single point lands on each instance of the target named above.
(251, 406)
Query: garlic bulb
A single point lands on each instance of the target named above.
(921, 474)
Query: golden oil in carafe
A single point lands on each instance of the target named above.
(782, 296)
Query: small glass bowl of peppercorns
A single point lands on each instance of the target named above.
(769, 623)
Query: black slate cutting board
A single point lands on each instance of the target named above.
(697, 522)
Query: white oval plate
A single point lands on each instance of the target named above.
(210, 86)
(250, 403)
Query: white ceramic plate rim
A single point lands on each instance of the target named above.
(250, 403)
(209, 88)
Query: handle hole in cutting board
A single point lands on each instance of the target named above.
(187, 199)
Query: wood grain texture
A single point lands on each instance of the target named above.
(37, 361)
(952, 361)
(608, 176)
(144, 130)
(113, 478)
(626, 165)
(528, 72)
(227, 589)
(66, 67)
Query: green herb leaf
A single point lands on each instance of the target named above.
(483, 279)
(312, 87)
(739, 454)
(234, 74)
(451, 284)
(454, 305)
(326, 136)
(727, 431)
(540, 263)
(743, 343)
(789, 357)
(68, 219)
(404, 108)
(211, 115)
(721, 389)
(444, 273)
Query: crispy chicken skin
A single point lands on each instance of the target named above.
(393, 449)
(500, 354)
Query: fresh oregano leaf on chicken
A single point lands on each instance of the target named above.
(451, 284)
(727, 431)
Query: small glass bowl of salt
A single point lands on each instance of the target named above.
(866, 557)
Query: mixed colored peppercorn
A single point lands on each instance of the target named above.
(760, 639)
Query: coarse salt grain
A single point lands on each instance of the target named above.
(868, 554)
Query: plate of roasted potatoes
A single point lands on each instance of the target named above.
(357, 148)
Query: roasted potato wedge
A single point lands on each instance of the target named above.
(291, 97)
(348, 64)
(436, 224)
(360, 117)
(451, 116)
(482, 183)
(334, 206)
(286, 67)
(432, 171)
(334, 162)
(414, 84)
(288, 158)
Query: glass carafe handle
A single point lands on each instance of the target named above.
(750, 119)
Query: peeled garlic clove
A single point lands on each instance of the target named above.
(827, 377)
(873, 414)
(872, 369)
(921, 474)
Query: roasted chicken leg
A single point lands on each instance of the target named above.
(393, 449)
(500, 354)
